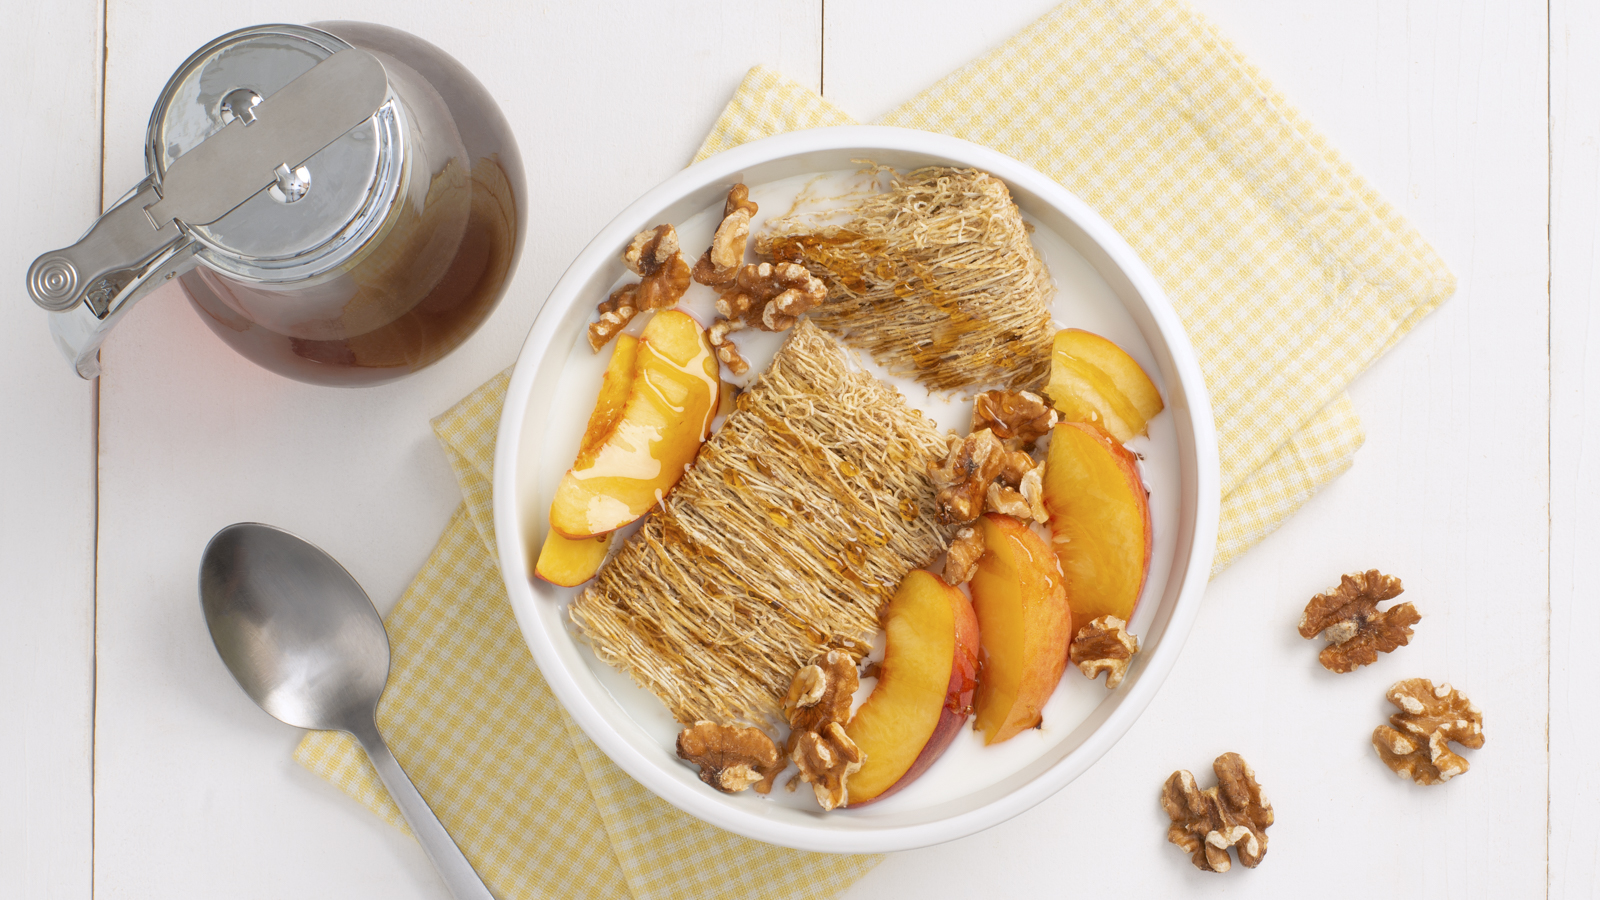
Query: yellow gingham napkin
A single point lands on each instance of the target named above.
(535, 806)
(1289, 271)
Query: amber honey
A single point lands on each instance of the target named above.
(431, 276)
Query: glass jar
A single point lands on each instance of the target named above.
(342, 203)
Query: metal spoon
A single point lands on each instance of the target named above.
(304, 641)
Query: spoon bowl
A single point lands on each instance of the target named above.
(298, 633)
(305, 642)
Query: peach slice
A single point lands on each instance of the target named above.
(1099, 520)
(570, 562)
(1024, 627)
(564, 561)
(1093, 380)
(665, 419)
(925, 686)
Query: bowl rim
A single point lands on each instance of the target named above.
(704, 804)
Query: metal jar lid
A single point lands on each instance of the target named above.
(317, 213)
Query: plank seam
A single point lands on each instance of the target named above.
(94, 443)
(1549, 420)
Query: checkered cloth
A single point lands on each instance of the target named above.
(536, 807)
(1289, 271)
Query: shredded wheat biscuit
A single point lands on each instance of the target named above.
(935, 277)
(786, 538)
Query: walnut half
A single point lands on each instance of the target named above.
(721, 261)
(1416, 742)
(761, 295)
(771, 296)
(818, 707)
(1206, 823)
(731, 758)
(654, 256)
(1104, 645)
(1348, 618)
(827, 759)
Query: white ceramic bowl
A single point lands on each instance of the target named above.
(631, 727)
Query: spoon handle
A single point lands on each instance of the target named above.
(458, 874)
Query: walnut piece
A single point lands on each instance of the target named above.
(1348, 618)
(818, 707)
(1015, 466)
(1104, 645)
(1017, 418)
(961, 563)
(727, 353)
(739, 198)
(616, 311)
(1206, 823)
(653, 255)
(964, 475)
(1032, 490)
(720, 263)
(827, 759)
(650, 250)
(821, 692)
(731, 758)
(770, 296)
(1025, 504)
(1416, 743)
(1004, 500)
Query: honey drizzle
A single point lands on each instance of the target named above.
(929, 295)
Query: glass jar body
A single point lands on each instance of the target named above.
(434, 270)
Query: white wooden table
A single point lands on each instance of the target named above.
(131, 766)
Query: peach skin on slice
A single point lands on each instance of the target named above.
(1093, 380)
(925, 686)
(1099, 520)
(614, 390)
(669, 408)
(1024, 627)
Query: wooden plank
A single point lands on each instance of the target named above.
(1441, 105)
(1574, 432)
(52, 104)
(196, 793)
